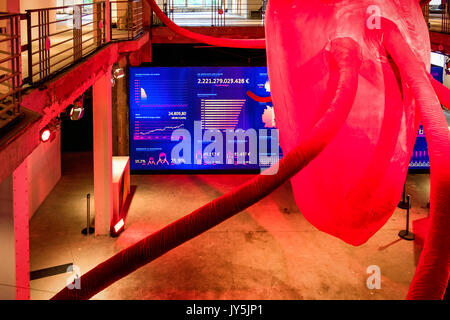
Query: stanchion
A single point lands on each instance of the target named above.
(403, 204)
(88, 230)
(405, 234)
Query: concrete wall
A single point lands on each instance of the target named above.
(43, 172)
(7, 241)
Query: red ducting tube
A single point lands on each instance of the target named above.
(218, 42)
(345, 60)
(258, 98)
(432, 273)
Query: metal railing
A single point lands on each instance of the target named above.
(58, 40)
(215, 13)
(126, 19)
(437, 17)
(10, 71)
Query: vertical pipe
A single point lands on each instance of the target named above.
(47, 35)
(104, 13)
(40, 43)
(88, 215)
(108, 20)
(80, 21)
(408, 199)
(17, 61)
(12, 54)
(30, 49)
(102, 139)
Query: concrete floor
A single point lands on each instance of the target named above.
(267, 252)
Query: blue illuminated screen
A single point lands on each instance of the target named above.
(197, 118)
(420, 158)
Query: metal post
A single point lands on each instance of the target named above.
(30, 49)
(403, 204)
(88, 210)
(405, 234)
(88, 230)
(110, 20)
(77, 33)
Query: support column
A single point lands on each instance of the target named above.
(108, 21)
(7, 242)
(102, 124)
(121, 113)
(21, 231)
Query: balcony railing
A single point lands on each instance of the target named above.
(10, 74)
(215, 13)
(59, 37)
(437, 17)
(126, 19)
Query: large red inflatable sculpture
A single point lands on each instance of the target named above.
(350, 86)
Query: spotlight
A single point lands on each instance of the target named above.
(77, 110)
(48, 133)
(118, 228)
(45, 134)
(118, 73)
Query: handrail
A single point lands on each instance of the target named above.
(67, 39)
(437, 17)
(10, 70)
(128, 20)
(54, 43)
(64, 7)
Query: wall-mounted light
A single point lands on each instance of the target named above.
(45, 134)
(48, 133)
(118, 73)
(77, 110)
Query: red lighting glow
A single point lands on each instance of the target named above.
(45, 134)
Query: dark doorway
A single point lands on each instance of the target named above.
(77, 136)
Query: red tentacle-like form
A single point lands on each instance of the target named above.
(345, 60)
(432, 273)
(218, 42)
(258, 98)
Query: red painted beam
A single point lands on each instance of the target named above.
(62, 91)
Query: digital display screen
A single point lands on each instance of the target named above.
(201, 118)
(420, 158)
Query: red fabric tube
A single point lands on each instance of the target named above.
(432, 273)
(345, 60)
(258, 98)
(218, 42)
